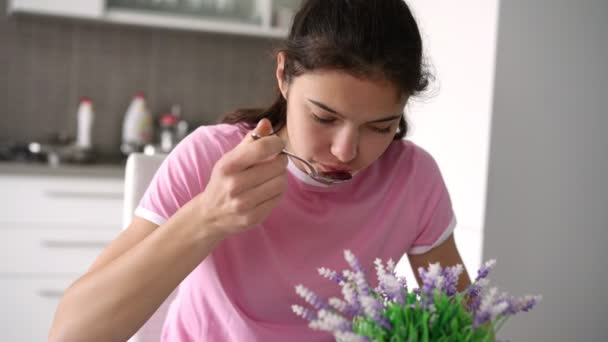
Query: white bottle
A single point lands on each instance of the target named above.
(85, 118)
(137, 129)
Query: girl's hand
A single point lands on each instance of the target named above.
(245, 184)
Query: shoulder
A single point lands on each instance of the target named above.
(203, 147)
(222, 136)
(407, 155)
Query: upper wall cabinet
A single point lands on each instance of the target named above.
(69, 8)
(267, 18)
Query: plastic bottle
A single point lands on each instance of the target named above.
(182, 126)
(137, 129)
(85, 119)
(168, 134)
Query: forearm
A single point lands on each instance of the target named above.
(111, 303)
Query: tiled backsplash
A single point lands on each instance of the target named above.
(49, 63)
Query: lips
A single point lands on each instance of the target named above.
(335, 168)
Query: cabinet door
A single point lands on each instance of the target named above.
(70, 8)
(283, 12)
(28, 306)
(61, 202)
(242, 11)
(50, 251)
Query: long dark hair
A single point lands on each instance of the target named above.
(365, 38)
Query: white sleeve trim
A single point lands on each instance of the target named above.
(446, 234)
(150, 216)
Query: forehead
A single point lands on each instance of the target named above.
(349, 94)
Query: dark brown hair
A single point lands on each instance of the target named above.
(365, 38)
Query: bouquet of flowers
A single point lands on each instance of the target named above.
(389, 312)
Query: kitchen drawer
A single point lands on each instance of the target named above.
(28, 306)
(51, 251)
(60, 201)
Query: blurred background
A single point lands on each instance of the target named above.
(515, 120)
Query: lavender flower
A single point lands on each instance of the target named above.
(331, 274)
(349, 292)
(389, 284)
(342, 307)
(485, 269)
(310, 297)
(373, 308)
(353, 262)
(516, 305)
(330, 321)
(348, 336)
(365, 314)
(451, 275)
(304, 313)
(490, 308)
(432, 279)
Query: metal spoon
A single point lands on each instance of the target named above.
(334, 177)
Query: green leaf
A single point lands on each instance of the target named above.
(425, 326)
(412, 334)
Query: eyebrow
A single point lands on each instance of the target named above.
(333, 111)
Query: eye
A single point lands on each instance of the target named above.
(322, 120)
(383, 130)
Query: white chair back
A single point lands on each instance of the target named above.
(139, 171)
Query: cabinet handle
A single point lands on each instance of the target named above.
(48, 293)
(84, 195)
(74, 243)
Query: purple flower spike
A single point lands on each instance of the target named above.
(331, 275)
(311, 298)
(373, 308)
(361, 283)
(304, 313)
(485, 269)
(351, 297)
(347, 336)
(390, 285)
(353, 261)
(342, 307)
(431, 279)
(529, 302)
(330, 321)
(451, 275)
(491, 307)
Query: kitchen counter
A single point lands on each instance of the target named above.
(64, 170)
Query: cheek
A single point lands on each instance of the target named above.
(372, 146)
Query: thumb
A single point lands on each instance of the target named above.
(247, 154)
(263, 128)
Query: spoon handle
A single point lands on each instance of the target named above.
(312, 169)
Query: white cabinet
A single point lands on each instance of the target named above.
(70, 8)
(28, 306)
(51, 230)
(269, 18)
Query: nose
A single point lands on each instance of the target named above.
(345, 145)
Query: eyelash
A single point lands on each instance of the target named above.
(330, 121)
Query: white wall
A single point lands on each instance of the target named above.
(547, 203)
(453, 121)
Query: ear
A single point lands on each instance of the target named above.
(280, 74)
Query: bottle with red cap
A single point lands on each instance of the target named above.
(137, 128)
(85, 118)
(168, 134)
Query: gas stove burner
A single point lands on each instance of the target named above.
(18, 152)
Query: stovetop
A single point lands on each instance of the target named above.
(19, 152)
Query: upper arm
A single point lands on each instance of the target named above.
(446, 254)
(136, 232)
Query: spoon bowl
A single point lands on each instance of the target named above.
(328, 178)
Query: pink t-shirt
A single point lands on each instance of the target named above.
(244, 290)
